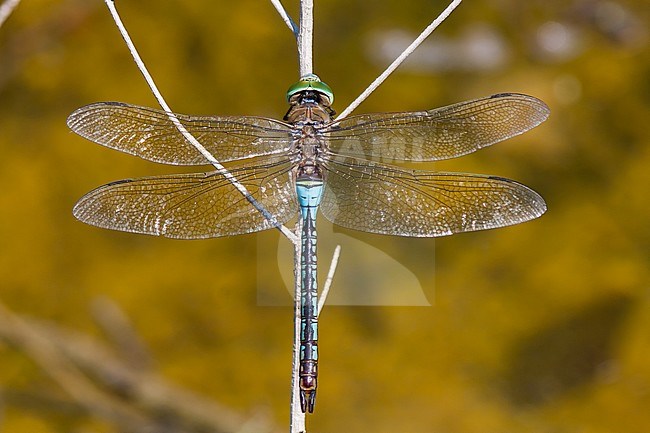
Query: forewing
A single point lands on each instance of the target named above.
(442, 133)
(191, 206)
(150, 134)
(388, 200)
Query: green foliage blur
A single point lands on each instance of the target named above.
(541, 327)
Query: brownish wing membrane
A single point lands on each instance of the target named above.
(192, 206)
(388, 200)
(442, 133)
(150, 134)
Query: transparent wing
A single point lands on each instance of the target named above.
(150, 134)
(442, 133)
(388, 200)
(191, 206)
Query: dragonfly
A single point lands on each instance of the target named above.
(309, 161)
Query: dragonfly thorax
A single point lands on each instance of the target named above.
(309, 146)
(308, 112)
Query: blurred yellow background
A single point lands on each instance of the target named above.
(541, 327)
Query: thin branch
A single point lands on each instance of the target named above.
(305, 59)
(189, 137)
(398, 61)
(6, 9)
(285, 17)
(306, 37)
(330, 278)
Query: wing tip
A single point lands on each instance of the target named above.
(536, 204)
(74, 121)
(542, 110)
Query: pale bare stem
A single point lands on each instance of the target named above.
(305, 37)
(189, 137)
(297, 415)
(285, 16)
(398, 61)
(330, 278)
(6, 8)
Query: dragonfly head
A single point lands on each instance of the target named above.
(310, 86)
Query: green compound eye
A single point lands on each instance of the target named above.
(311, 82)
